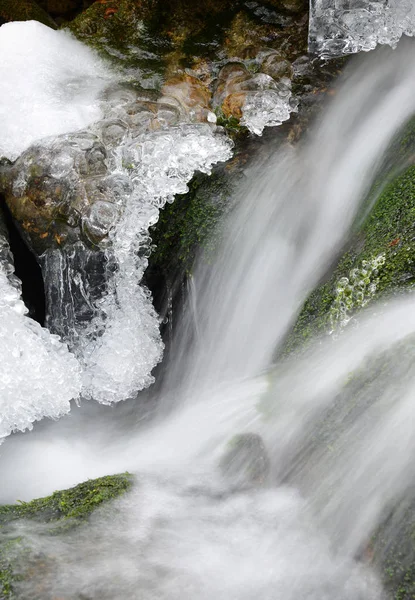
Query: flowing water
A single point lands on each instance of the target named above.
(340, 455)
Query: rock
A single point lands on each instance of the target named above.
(294, 6)
(59, 513)
(191, 94)
(246, 461)
(233, 104)
(24, 10)
(229, 81)
(277, 67)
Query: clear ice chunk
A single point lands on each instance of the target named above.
(268, 108)
(339, 27)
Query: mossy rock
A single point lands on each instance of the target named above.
(388, 230)
(62, 511)
(392, 549)
(75, 503)
(187, 225)
(124, 31)
(24, 10)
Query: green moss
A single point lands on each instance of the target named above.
(24, 10)
(187, 225)
(231, 124)
(126, 32)
(393, 548)
(390, 230)
(75, 503)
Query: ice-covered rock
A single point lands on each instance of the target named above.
(346, 26)
(38, 376)
(119, 346)
(105, 158)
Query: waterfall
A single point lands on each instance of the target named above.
(340, 456)
(336, 457)
(279, 244)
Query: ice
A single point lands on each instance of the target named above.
(50, 85)
(114, 189)
(107, 158)
(268, 108)
(154, 166)
(340, 27)
(38, 376)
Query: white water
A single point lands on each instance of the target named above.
(184, 532)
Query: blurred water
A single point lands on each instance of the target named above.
(340, 454)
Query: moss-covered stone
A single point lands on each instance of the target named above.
(127, 33)
(245, 462)
(187, 225)
(63, 510)
(75, 503)
(388, 230)
(392, 548)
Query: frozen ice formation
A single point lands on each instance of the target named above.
(101, 158)
(270, 106)
(340, 27)
(116, 334)
(112, 179)
(50, 85)
(38, 375)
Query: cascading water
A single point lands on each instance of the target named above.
(185, 531)
(293, 235)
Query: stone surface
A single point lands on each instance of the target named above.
(245, 461)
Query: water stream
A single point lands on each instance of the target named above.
(340, 456)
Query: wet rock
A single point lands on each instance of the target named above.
(246, 461)
(277, 67)
(191, 94)
(51, 187)
(229, 81)
(233, 105)
(294, 6)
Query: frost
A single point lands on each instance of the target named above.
(38, 376)
(268, 107)
(50, 85)
(346, 26)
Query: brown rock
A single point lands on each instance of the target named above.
(191, 93)
(233, 103)
(276, 66)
